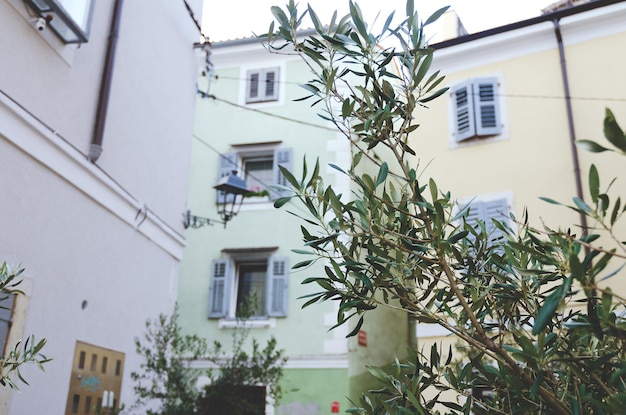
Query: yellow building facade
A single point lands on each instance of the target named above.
(502, 136)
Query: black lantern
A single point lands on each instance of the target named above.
(231, 190)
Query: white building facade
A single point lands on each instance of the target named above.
(96, 118)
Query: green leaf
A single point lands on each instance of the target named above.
(334, 166)
(280, 202)
(434, 95)
(552, 201)
(357, 19)
(436, 15)
(549, 306)
(458, 236)
(287, 174)
(536, 385)
(280, 15)
(356, 328)
(382, 174)
(424, 67)
(303, 264)
(591, 146)
(410, 8)
(613, 132)
(594, 183)
(316, 22)
(582, 205)
(346, 108)
(615, 212)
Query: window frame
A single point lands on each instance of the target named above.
(466, 113)
(62, 21)
(8, 310)
(224, 280)
(235, 161)
(262, 92)
(486, 201)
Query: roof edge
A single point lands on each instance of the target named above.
(253, 39)
(549, 17)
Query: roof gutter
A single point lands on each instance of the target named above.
(549, 17)
(570, 120)
(95, 149)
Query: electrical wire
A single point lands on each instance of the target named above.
(234, 164)
(96, 166)
(193, 17)
(269, 114)
(298, 207)
(234, 78)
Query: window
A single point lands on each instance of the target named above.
(235, 400)
(93, 386)
(476, 109)
(244, 273)
(258, 165)
(6, 310)
(258, 170)
(69, 19)
(262, 85)
(486, 209)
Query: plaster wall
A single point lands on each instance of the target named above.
(100, 242)
(304, 333)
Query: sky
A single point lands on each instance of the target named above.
(224, 19)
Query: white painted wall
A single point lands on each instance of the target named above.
(109, 234)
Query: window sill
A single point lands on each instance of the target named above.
(477, 140)
(249, 324)
(261, 204)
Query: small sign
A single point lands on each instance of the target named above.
(334, 407)
(362, 338)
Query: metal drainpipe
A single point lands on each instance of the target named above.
(95, 149)
(570, 121)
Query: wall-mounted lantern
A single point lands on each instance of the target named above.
(231, 190)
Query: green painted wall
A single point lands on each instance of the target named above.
(312, 391)
(218, 127)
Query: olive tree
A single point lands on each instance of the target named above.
(26, 351)
(398, 241)
(167, 385)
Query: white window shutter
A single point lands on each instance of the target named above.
(277, 286)
(219, 292)
(495, 209)
(475, 213)
(225, 166)
(270, 87)
(486, 105)
(464, 123)
(262, 85)
(254, 90)
(486, 211)
(282, 157)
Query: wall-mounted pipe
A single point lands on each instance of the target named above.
(95, 149)
(570, 120)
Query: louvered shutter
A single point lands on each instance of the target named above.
(495, 209)
(277, 292)
(254, 88)
(474, 214)
(270, 78)
(219, 292)
(486, 106)
(282, 157)
(464, 123)
(486, 211)
(227, 163)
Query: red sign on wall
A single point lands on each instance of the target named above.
(362, 338)
(334, 407)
